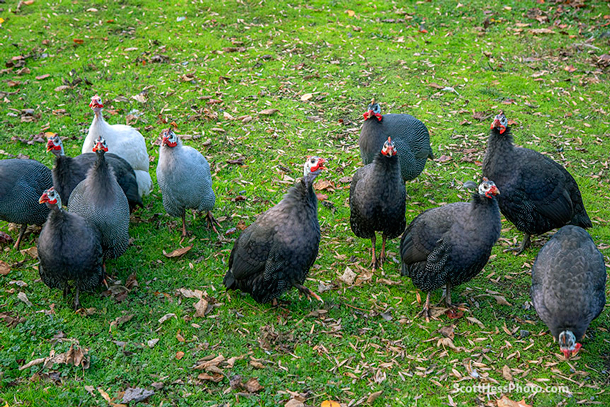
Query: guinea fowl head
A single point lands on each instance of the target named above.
(488, 188)
(313, 167)
(500, 123)
(100, 145)
(568, 345)
(170, 138)
(96, 103)
(50, 197)
(373, 110)
(55, 145)
(388, 149)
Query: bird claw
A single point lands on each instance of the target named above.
(212, 221)
(425, 312)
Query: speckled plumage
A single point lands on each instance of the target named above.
(184, 177)
(568, 282)
(70, 251)
(276, 252)
(70, 171)
(377, 198)
(450, 244)
(21, 184)
(100, 200)
(538, 194)
(410, 136)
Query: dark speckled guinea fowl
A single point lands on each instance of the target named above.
(69, 250)
(21, 184)
(100, 200)
(568, 286)
(538, 194)
(377, 199)
(70, 171)
(276, 252)
(451, 244)
(408, 133)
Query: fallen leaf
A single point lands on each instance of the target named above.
(5, 239)
(330, 403)
(179, 355)
(322, 197)
(348, 276)
(447, 331)
(253, 386)
(306, 97)
(435, 85)
(23, 297)
(444, 158)
(506, 402)
(139, 97)
(268, 112)
(350, 13)
(178, 252)
(200, 308)
(62, 88)
(324, 185)
(214, 377)
(152, 342)
(32, 252)
(294, 403)
(78, 41)
(136, 394)
(501, 300)
(569, 68)
(345, 180)
(166, 317)
(374, 396)
(4, 268)
(506, 373)
(476, 321)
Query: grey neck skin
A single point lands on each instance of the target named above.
(310, 177)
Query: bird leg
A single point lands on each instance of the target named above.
(524, 245)
(21, 233)
(425, 312)
(212, 220)
(308, 292)
(382, 256)
(66, 290)
(76, 301)
(184, 233)
(374, 258)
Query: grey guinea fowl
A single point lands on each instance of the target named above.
(69, 250)
(276, 252)
(568, 286)
(451, 244)
(184, 177)
(70, 171)
(21, 184)
(377, 198)
(408, 133)
(538, 194)
(100, 200)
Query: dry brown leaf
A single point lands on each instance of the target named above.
(435, 85)
(253, 386)
(4, 268)
(294, 403)
(350, 13)
(201, 308)
(139, 97)
(324, 185)
(23, 297)
(78, 41)
(330, 403)
(166, 317)
(32, 252)
(476, 321)
(178, 252)
(306, 97)
(348, 276)
(507, 374)
(268, 112)
(215, 377)
(447, 331)
(501, 300)
(62, 88)
(569, 68)
(506, 402)
(179, 355)
(537, 31)
(374, 396)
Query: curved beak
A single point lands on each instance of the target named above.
(44, 198)
(321, 162)
(50, 145)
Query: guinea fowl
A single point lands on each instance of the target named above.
(21, 184)
(409, 134)
(183, 175)
(538, 194)
(124, 141)
(276, 252)
(451, 244)
(69, 249)
(100, 200)
(70, 171)
(377, 198)
(568, 286)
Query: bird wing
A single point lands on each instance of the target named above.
(251, 251)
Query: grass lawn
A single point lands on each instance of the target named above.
(216, 69)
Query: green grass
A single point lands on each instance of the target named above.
(364, 338)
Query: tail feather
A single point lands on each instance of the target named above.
(144, 182)
(581, 219)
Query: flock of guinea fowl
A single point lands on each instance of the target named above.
(444, 246)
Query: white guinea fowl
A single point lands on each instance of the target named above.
(122, 140)
(184, 177)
